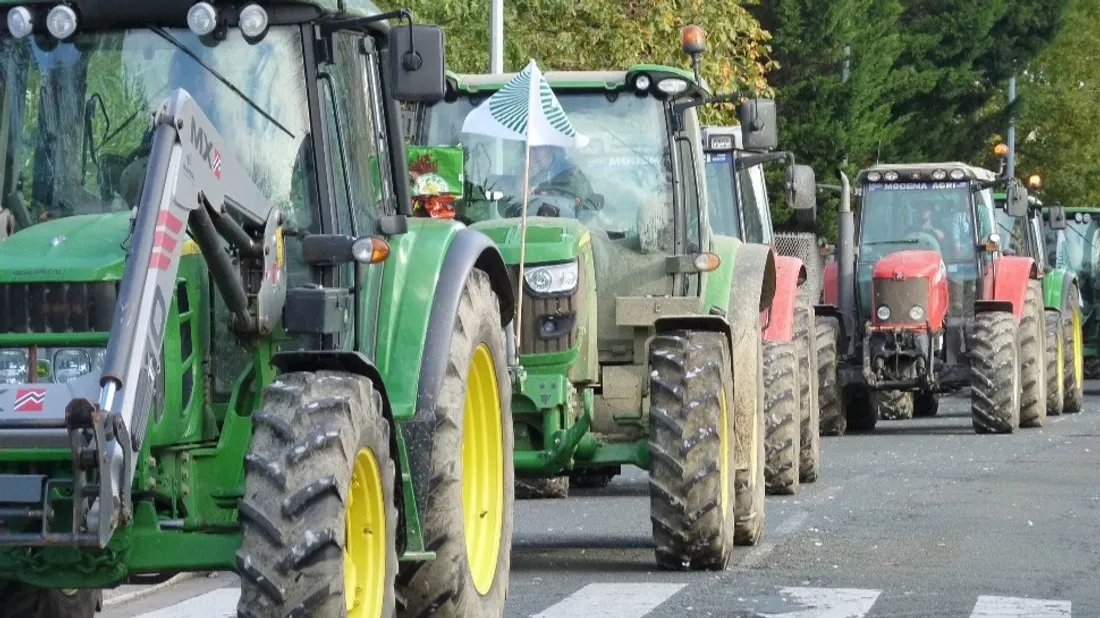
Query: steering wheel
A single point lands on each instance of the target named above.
(543, 205)
(924, 238)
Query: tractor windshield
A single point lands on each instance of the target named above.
(616, 183)
(1080, 249)
(76, 123)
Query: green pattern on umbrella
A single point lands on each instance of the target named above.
(553, 111)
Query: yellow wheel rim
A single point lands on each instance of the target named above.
(482, 469)
(367, 545)
(723, 444)
(1078, 350)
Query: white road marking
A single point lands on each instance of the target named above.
(829, 602)
(611, 601)
(1016, 607)
(220, 603)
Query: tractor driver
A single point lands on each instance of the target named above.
(553, 168)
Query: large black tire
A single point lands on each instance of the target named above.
(805, 337)
(314, 431)
(925, 404)
(1033, 398)
(833, 420)
(891, 405)
(1056, 393)
(860, 410)
(446, 587)
(21, 600)
(542, 488)
(783, 433)
(693, 451)
(995, 366)
(1074, 387)
(1092, 368)
(750, 483)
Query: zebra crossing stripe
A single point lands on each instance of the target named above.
(612, 601)
(829, 602)
(1016, 607)
(220, 603)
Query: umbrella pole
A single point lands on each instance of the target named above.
(522, 241)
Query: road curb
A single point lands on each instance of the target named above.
(145, 591)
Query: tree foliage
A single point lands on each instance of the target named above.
(605, 34)
(1060, 95)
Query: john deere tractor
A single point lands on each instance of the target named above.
(739, 207)
(931, 303)
(225, 344)
(1073, 242)
(641, 327)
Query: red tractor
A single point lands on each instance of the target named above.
(929, 304)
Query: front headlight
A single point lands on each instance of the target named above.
(13, 366)
(71, 363)
(552, 278)
(883, 312)
(916, 313)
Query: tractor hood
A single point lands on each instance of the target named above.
(77, 248)
(909, 265)
(549, 239)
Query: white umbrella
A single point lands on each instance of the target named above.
(525, 110)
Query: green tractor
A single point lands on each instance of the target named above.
(641, 328)
(225, 344)
(793, 370)
(1073, 242)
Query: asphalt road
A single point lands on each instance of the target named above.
(919, 518)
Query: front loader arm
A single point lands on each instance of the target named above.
(192, 185)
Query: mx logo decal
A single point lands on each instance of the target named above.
(30, 400)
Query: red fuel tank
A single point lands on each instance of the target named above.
(912, 286)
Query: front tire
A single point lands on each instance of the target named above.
(1033, 398)
(925, 404)
(892, 405)
(995, 365)
(750, 483)
(470, 508)
(318, 518)
(808, 396)
(784, 434)
(1073, 355)
(692, 449)
(832, 417)
(1055, 365)
(554, 488)
(26, 601)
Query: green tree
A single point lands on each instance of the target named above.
(1060, 110)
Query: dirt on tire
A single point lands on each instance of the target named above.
(1074, 391)
(750, 483)
(892, 405)
(25, 601)
(298, 471)
(552, 488)
(995, 366)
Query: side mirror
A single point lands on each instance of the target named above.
(759, 130)
(417, 61)
(802, 193)
(1057, 214)
(1017, 200)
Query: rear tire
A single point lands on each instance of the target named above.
(750, 483)
(542, 488)
(1033, 397)
(892, 405)
(783, 430)
(464, 580)
(1072, 350)
(832, 418)
(25, 601)
(808, 396)
(692, 447)
(995, 365)
(1056, 387)
(318, 438)
(862, 415)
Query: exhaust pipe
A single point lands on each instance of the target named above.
(846, 259)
